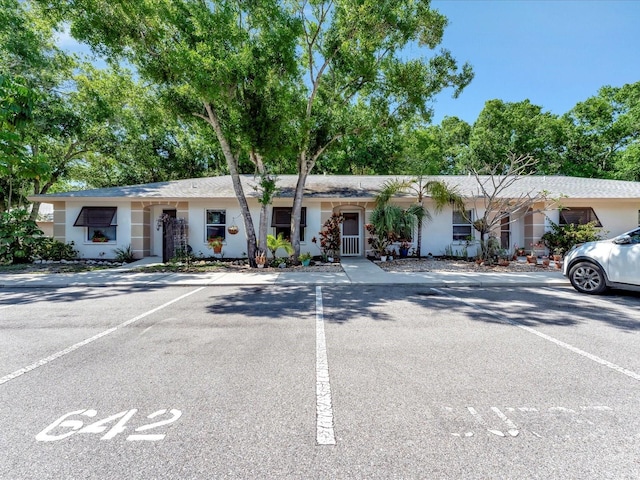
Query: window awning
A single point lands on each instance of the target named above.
(96, 217)
(579, 216)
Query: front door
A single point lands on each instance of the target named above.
(350, 235)
(168, 235)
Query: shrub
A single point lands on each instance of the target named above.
(561, 238)
(52, 249)
(124, 255)
(19, 237)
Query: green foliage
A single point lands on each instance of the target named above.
(398, 224)
(304, 256)
(124, 255)
(330, 235)
(604, 134)
(276, 243)
(519, 128)
(19, 237)
(267, 188)
(561, 238)
(52, 249)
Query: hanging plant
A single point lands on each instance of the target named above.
(233, 229)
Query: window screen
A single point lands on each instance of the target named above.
(578, 216)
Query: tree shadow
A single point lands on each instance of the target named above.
(276, 302)
(548, 306)
(26, 295)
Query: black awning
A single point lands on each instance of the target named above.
(96, 217)
(281, 217)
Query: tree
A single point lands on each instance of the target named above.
(357, 79)
(604, 135)
(16, 113)
(419, 187)
(437, 149)
(276, 78)
(520, 128)
(227, 63)
(495, 198)
(137, 138)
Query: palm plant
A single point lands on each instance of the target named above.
(421, 188)
(276, 243)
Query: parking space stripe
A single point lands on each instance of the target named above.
(549, 338)
(72, 348)
(325, 434)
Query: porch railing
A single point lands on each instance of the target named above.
(350, 245)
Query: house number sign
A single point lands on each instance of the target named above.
(65, 426)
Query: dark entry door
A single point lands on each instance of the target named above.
(168, 236)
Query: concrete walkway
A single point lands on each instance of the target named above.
(356, 271)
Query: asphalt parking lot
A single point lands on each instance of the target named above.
(318, 382)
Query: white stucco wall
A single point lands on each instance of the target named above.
(78, 235)
(235, 246)
(617, 216)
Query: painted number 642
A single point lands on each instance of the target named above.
(73, 426)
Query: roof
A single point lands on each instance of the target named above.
(352, 186)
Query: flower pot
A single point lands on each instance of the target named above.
(404, 252)
(217, 249)
(233, 229)
(532, 259)
(383, 258)
(306, 263)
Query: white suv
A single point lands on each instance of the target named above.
(595, 266)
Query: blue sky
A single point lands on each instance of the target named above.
(555, 53)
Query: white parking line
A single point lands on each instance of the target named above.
(549, 338)
(76, 346)
(324, 411)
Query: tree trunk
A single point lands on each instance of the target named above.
(232, 164)
(296, 210)
(264, 207)
(419, 242)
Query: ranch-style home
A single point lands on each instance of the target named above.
(102, 220)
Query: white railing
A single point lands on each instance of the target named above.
(350, 245)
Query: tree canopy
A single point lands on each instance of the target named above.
(277, 79)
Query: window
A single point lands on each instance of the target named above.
(462, 228)
(100, 222)
(578, 216)
(281, 221)
(505, 232)
(215, 224)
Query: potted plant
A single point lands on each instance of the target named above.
(261, 259)
(305, 259)
(99, 237)
(404, 249)
(216, 243)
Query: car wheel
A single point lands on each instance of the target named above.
(587, 277)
